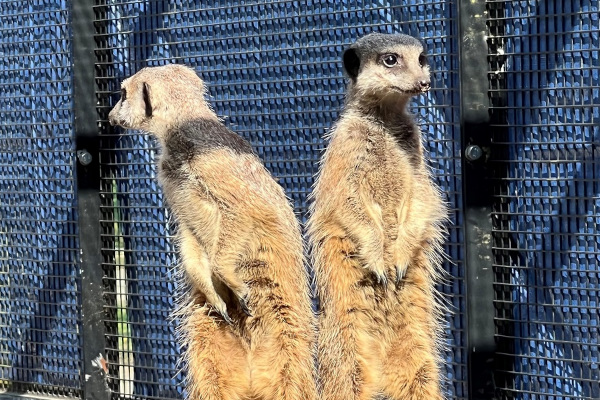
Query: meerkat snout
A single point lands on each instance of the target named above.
(134, 108)
(390, 64)
(116, 121)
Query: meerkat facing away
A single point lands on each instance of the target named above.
(375, 233)
(240, 246)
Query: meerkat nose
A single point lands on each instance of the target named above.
(111, 117)
(114, 122)
(424, 85)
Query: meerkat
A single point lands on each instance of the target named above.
(375, 231)
(248, 322)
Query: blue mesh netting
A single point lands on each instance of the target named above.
(553, 187)
(274, 72)
(39, 307)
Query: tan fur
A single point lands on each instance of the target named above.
(239, 239)
(376, 218)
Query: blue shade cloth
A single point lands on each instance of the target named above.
(274, 73)
(39, 285)
(548, 208)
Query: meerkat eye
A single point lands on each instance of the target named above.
(123, 94)
(422, 60)
(389, 60)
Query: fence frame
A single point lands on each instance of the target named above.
(477, 197)
(86, 134)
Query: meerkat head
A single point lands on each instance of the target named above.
(384, 65)
(157, 98)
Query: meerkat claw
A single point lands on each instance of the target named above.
(381, 397)
(226, 317)
(380, 278)
(244, 305)
(221, 309)
(400, 274)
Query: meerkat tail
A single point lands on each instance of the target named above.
(217, 362)
(282, 325)
(412, 364)
(348, 357)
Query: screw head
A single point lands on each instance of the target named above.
(473, 152)
(84, 157)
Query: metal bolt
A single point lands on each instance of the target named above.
(473, 152)
(84, 157)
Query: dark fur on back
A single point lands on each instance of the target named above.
(196, 137)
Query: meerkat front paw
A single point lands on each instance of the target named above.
(402, 256)
(217, 303)
(379, 272)
(244, 305)
(241, 292)
(400, 273)
(237, 286)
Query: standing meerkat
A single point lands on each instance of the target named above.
(375, 232)
(240, 245)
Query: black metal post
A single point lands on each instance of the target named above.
(476, 139)
(88, 197)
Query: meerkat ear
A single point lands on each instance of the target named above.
(351, 63)
(147, 102)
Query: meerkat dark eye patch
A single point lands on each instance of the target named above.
(351, 63)
(123, 94)
(147, 103)
(423, 60)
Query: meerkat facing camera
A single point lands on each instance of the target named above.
(240, 245)
(375, 233)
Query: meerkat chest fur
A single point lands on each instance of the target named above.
(389, 165)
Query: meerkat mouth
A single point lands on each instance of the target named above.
(413, 91)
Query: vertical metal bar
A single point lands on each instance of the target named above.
(477, 189)
(88, 199)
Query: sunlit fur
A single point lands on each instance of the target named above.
(375, 233)
(240, 244)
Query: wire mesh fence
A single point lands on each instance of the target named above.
(547, 214)
(39, 307)
(274, 74)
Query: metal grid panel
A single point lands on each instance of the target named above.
(273, 70)
(39, 285)
(547, 247)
